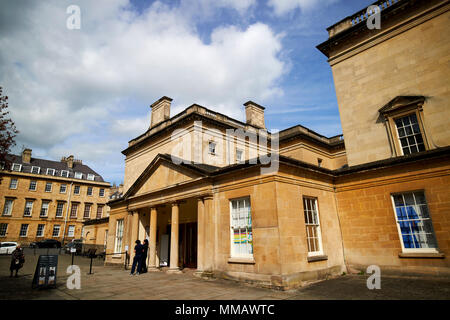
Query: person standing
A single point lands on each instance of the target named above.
(17, 260)
(137, 260)
(144, 256)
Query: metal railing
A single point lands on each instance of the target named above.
(127, 257)
(363, 15)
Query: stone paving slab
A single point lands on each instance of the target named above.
(114, 283)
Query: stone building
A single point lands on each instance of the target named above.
(394, 98)
(44, 199)
(95, 231)
(233, 200)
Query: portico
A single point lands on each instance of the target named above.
(175, 231)
(171, 206)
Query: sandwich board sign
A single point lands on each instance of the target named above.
(45, 273)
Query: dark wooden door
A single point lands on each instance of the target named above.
(188, 245)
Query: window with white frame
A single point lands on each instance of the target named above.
(33, 185)
(13, 183)
(56, 229)
(411, 140)
(48, 187)
(89, 191)
(16, 167)
(78, 175)
(73, 210)
(101, 192)
(50, 171)
(40, 230)
(312, 223)
(59, 209)
(105, 241)
(71, 231)
(23, 230)
(63, 188)
(239, 154)
(90, 176)
(414, 223)
(212, 147)
(99, 211)
(241, 228)
(7, 208)
(44, 208)
(76, 190)
(119, 236)
(3, 229)
(64, 173)
(35, 170)
(28, 208)
(87, 210)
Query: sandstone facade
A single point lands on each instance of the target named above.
(318, 207)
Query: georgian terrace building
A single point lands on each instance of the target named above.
(95, 231)
(234, 200)
(45, 199)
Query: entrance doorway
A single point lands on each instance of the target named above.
(188, 245)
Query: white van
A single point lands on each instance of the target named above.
(7, 247)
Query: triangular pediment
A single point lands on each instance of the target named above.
(161, 174)
(401, 102)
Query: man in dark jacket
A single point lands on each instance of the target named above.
(144, 256)
(137, 260)
(17, 260)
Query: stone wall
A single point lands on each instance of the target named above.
(401, 59)
(368, 221)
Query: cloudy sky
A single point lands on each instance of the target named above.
(87, 92)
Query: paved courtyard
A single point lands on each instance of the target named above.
(116, 283)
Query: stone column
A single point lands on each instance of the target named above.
(200, 234)
(129, 231)
(174, 240)
(152, 245)
(209, 239)
(134, 233)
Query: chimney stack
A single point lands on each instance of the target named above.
(69, 161)
(160, 110)
(26, 156)
(255, 114)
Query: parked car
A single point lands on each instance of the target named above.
(46, 243)
(7, 247)
(77, 244)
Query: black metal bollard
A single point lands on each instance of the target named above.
(72, 257)
(90, 267)
(126, 259)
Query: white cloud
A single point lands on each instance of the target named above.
(239, 5)
(209, 10)
(282, 7)
(131, 127)
(68, 85)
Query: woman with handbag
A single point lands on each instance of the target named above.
(17, 260)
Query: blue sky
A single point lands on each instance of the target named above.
(87, 92)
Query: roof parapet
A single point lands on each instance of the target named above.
(359, 17)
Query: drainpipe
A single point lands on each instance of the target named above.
(340, 229)
(67, 212)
